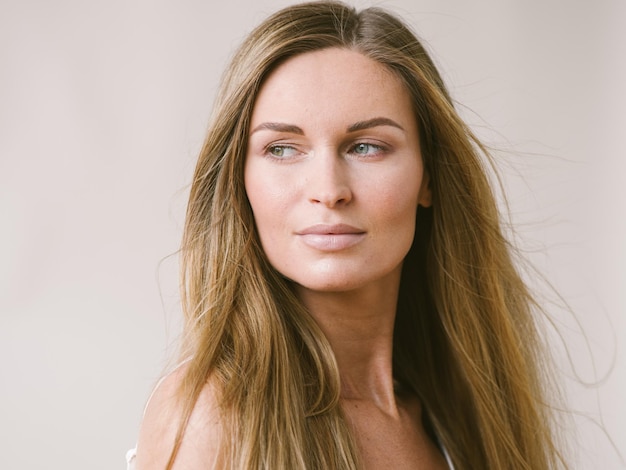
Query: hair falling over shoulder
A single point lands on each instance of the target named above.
(466, 339)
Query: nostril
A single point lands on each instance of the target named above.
(332, 200)
(328, 182)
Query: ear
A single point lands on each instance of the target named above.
(425, 196)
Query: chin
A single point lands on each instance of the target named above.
(328, 287)
(345, 282)
(325, 284)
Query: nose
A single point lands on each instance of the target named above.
(328, 181)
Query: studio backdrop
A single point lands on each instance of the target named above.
(103, 108)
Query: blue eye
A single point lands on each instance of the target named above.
(363, 148)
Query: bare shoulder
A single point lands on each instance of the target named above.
(200, 444)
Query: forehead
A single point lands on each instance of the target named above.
(331, 84)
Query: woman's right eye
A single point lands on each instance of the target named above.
(281, 151)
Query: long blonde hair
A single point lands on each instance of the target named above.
(466, 341)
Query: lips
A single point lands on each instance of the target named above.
(331, 238)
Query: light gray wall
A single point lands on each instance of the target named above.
(103, 106)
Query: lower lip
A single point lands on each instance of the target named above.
(331, 242)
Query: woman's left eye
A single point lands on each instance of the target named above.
(364, 148)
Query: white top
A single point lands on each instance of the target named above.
(130, 459)
(445, 454)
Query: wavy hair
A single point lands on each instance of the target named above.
(466, 340)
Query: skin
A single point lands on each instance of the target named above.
(334, 177)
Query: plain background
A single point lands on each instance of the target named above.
(103, 107)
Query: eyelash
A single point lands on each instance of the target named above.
(377, 150)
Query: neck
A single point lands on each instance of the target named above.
(359, 326)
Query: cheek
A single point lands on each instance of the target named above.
(269, 202)
(265, 186)
(399, 221)
(397, 198)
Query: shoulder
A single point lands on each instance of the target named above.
(200, 444)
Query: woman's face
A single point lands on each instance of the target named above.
(333, 171)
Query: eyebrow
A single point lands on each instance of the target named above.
(357, 126)
(278, 127)
(375, 122)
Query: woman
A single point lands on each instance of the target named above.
(350, 299)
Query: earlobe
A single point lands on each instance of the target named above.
(425, 197)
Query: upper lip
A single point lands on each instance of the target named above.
(330, 229)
